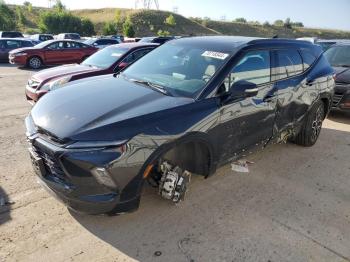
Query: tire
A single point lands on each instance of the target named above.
(35, 62)
(312, 126)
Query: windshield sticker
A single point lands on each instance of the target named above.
(217, 55)
(116, 54)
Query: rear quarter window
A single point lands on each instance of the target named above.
(288, 63)
(308, 58)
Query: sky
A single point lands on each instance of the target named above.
(334, 14)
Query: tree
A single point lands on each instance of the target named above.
(170, 20)
(297, 24)
(109, 29)
(57, 22)
(278, 23)
(59, 6)
(240, 20)
(266, 24)
(20, 18)
(163, 33)
(6, 17)
(128, 29)
(28, 5)
(87, 27)
(287, 23)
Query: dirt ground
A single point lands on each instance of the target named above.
(294, 205)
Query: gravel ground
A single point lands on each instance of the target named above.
(294, 205)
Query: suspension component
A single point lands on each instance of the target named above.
(173, 182)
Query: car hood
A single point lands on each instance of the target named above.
(89, 108)
(342, 74)
(61, 71)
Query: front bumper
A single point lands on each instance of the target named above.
(341, 99)
(33, 95)
(66, 174)
(18, 60)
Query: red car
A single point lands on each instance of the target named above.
(51, 53)
(109, 60)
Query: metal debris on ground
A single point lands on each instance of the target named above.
(241, 166)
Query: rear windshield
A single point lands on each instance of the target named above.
(105, 57)
(338, 56)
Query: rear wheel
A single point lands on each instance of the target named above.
(312, 126)
(34, 62)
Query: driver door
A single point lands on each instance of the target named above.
(247, 122)
(54, 53)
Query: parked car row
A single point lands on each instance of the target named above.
(109, 60)
(185, 107)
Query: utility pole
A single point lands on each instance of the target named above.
(146, 4)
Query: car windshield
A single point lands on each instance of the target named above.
(338, 56)
(90, 41)
(182, 70)
(105, 57)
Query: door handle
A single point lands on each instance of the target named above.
(309, 82)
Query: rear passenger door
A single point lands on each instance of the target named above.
(3, 52)
(294, 95)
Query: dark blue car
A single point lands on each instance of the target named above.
(185, 108)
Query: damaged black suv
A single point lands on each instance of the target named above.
(186, 108)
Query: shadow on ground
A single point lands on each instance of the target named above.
(4, 207)
(340, 117)
(292, 206)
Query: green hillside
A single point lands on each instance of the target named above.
(149, 22)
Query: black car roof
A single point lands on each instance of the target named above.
(229, 43)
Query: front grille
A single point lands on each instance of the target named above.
(51, 164)
(336, 99)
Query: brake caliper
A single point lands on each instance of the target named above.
(173, 183)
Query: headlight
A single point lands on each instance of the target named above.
(97, 144)
(20, 54)
(52, 85)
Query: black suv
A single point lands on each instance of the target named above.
(185, 108)
(10, 34)
(339, 57)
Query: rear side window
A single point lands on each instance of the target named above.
(26, 44)
(308, 58)
(288, 63)
(136, 55)
(13, 44)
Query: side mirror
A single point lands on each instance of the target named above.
(243, 88)
(122, 65)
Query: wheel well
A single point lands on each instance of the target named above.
(34, 56)
(192, 156)
(326, 105)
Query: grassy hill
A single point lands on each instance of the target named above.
(149, 22)
(245, 29)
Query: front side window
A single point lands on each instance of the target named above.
(253, 67)
(180, 69)
(338, 56)
(56, 45)
(289, 63)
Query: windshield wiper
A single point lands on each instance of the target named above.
(154, 86)
(342, 65)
